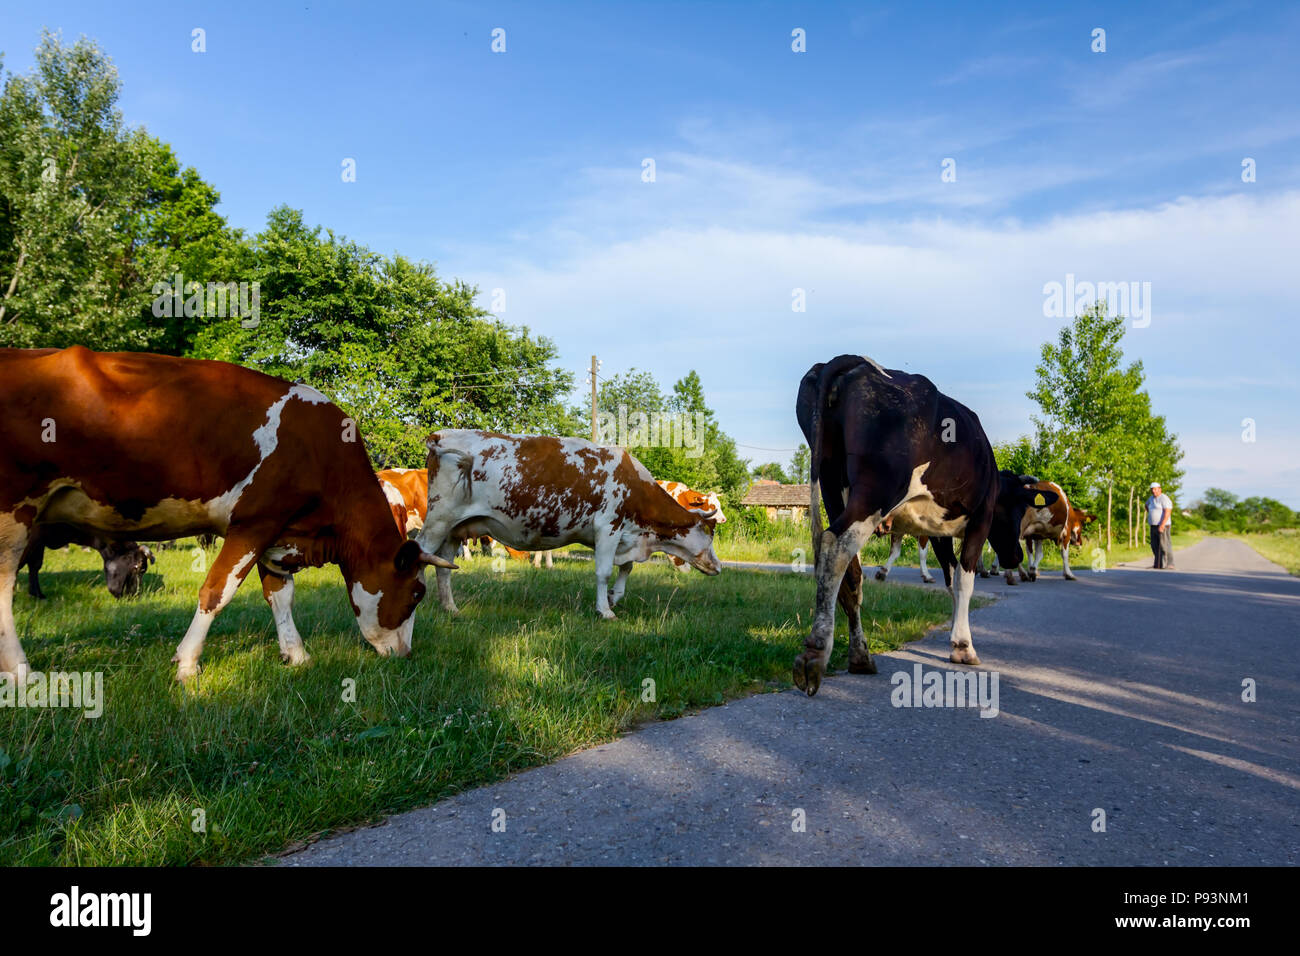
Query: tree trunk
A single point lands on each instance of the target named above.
(1132, 529)
(13, 283)
(1110, 493)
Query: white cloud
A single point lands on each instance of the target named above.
(959, 301)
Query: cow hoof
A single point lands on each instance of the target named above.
(927, 579)
(295, 656)
(807, 673)
(1012, 581)
(185, 673)
(862, 667)
(964, 654)
(608, 615)
(1070, 577)
(882, 574)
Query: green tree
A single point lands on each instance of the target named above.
(800, 465)
(770, 471)
(92, 214)
(402, 351)
(1096, 433)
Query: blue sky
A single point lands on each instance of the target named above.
(778, 170)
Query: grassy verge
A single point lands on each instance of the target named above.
(1280, 547)
(788, 543)
(264, 755)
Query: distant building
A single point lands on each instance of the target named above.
(778, 500)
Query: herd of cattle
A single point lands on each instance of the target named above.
(110, 449)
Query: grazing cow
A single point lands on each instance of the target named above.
(692, 500)
(536, 493)
(125, 562)
(152, 448)
(896, 548)
(886, 444)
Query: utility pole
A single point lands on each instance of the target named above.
(595, 433)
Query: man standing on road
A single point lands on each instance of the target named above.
(1160, 515)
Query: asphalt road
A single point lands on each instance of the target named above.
(1120, 692)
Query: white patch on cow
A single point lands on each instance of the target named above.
(382, 639)
(392, 494)
(876, 365)
(918, 513)
(267, 439)
(13, 538)
(274, 557)
(308, 394)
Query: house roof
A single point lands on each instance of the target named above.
(776, 496)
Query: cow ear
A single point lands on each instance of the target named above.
(1040, 498)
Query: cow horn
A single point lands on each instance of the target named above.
(435, 560)
(707, 514)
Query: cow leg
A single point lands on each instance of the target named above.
(604, 568)
(620, 584)
(944, 553)
(239, 552)
(895, 549)
(963, 647)
(34, 557)
(278, 591)
(435, 538)
(840, 545)
(1065, 560)
(446, 550)
(550, 559)
(13, 541)
(850, 599)
(922, 546)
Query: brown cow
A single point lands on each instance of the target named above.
(152, 448)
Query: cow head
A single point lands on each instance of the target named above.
(1015, 494)
(385, 594)
(125, 563)
(695, 547)
(1078, 521)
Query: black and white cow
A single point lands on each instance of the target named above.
(125, 562)
(888, 444)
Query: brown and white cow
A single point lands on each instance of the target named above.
(407, 491)
(153, 447)
(698, 501)
(536, 493)
(887, 443)
(125, 562)
(1060, 522)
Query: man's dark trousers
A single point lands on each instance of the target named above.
(1157, 546)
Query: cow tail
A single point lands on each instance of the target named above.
(814, 467)
(464, 464)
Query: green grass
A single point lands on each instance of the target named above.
(789, 542)
(274, 755)
(1281, 547)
